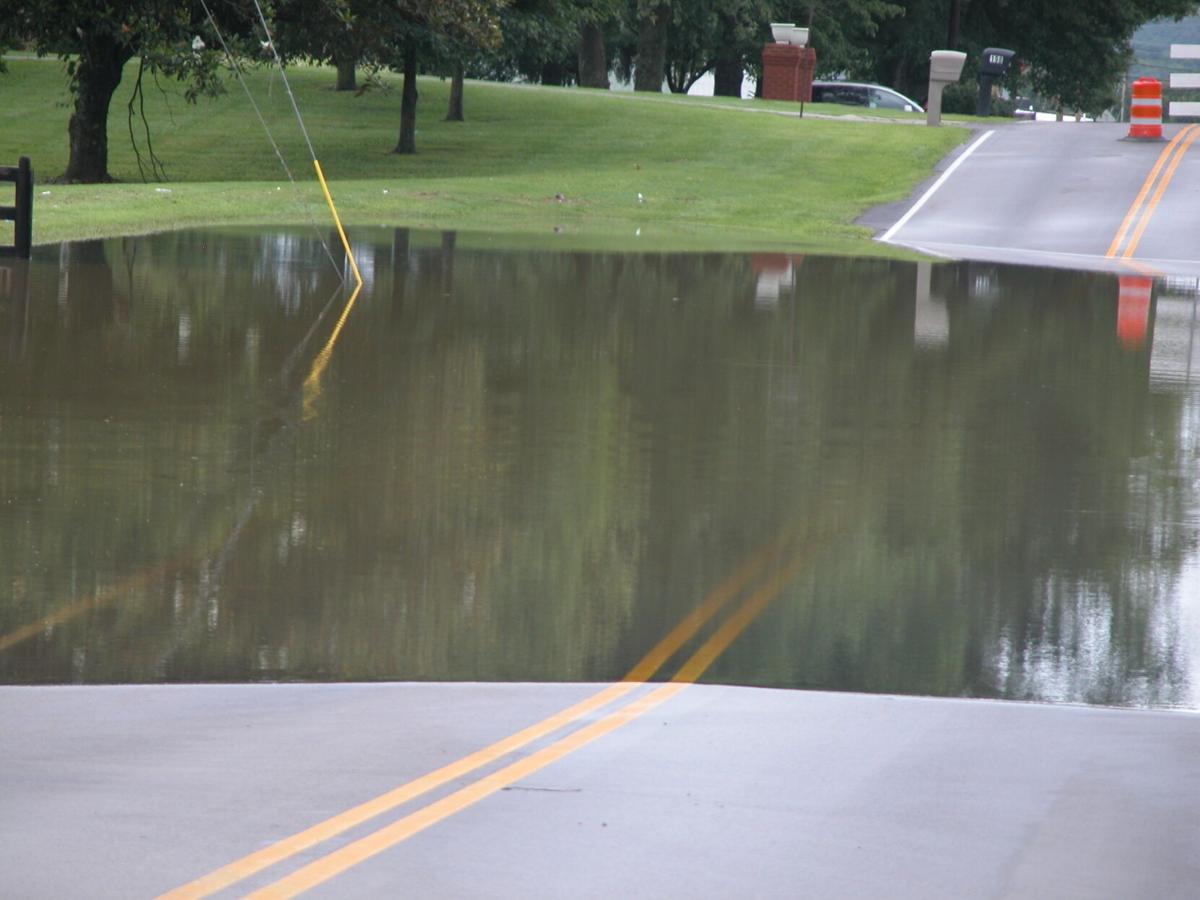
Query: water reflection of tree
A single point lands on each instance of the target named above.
(532, 465)
(1009, 543)
(124, 424)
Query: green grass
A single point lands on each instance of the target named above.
(711, 176)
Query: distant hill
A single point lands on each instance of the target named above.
(1152, 47)
(1152, 54)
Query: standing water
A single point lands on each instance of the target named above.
(532, 465)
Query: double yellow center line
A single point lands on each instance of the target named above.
(787, 566)
(1133, 226)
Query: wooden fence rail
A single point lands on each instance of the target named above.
(20, 214)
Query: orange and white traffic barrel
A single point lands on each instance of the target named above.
(1145, 112)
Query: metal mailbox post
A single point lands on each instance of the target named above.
(995, 64)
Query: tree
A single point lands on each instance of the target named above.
(442, 29)
(715, 36)
(653, 19)
(396, 33)
(1077, 52)
(843, 32)
(552, 42)
(593, 61)
(1074, 52)
(323, 31)
(688, 45)
(96, 39)
(596, 17)
(726, 37)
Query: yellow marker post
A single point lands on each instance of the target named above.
(312, 384)
(337, 221)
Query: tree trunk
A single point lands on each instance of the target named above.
(552, 74)
(953, 29)
(727, 77)
(652, 50)
(89, 284)
(346, 79)
(96, 80)
(593, 63)
(455, 112)
(408, 103)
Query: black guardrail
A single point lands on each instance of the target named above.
(20, 214)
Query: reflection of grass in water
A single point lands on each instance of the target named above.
(543, 161)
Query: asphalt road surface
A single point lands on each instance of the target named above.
(718, 792)
(1058, 194)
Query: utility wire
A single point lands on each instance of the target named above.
(287, 85)
(237, 68)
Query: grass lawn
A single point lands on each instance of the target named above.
(531, 162)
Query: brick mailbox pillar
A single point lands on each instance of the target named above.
(788, 72)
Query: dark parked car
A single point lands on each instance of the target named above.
(855, 93)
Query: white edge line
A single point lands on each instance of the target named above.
(891, 232)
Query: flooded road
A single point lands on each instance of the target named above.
(532, 465)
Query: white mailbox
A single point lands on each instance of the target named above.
(945, 67)
(788, 33)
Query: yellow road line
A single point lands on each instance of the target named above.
(645, 669)
(695, 620)
(59, 616)
(323, 831)
(351, 855)
(737, 622)
(1135, 207)
(340, 860)
(1143, 269)
(1135, 239)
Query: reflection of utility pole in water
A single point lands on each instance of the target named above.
(14, 288)
(931, 318)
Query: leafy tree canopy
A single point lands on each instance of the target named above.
(1073, 52)
(95, 39)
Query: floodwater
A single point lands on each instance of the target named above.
(533, 465)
